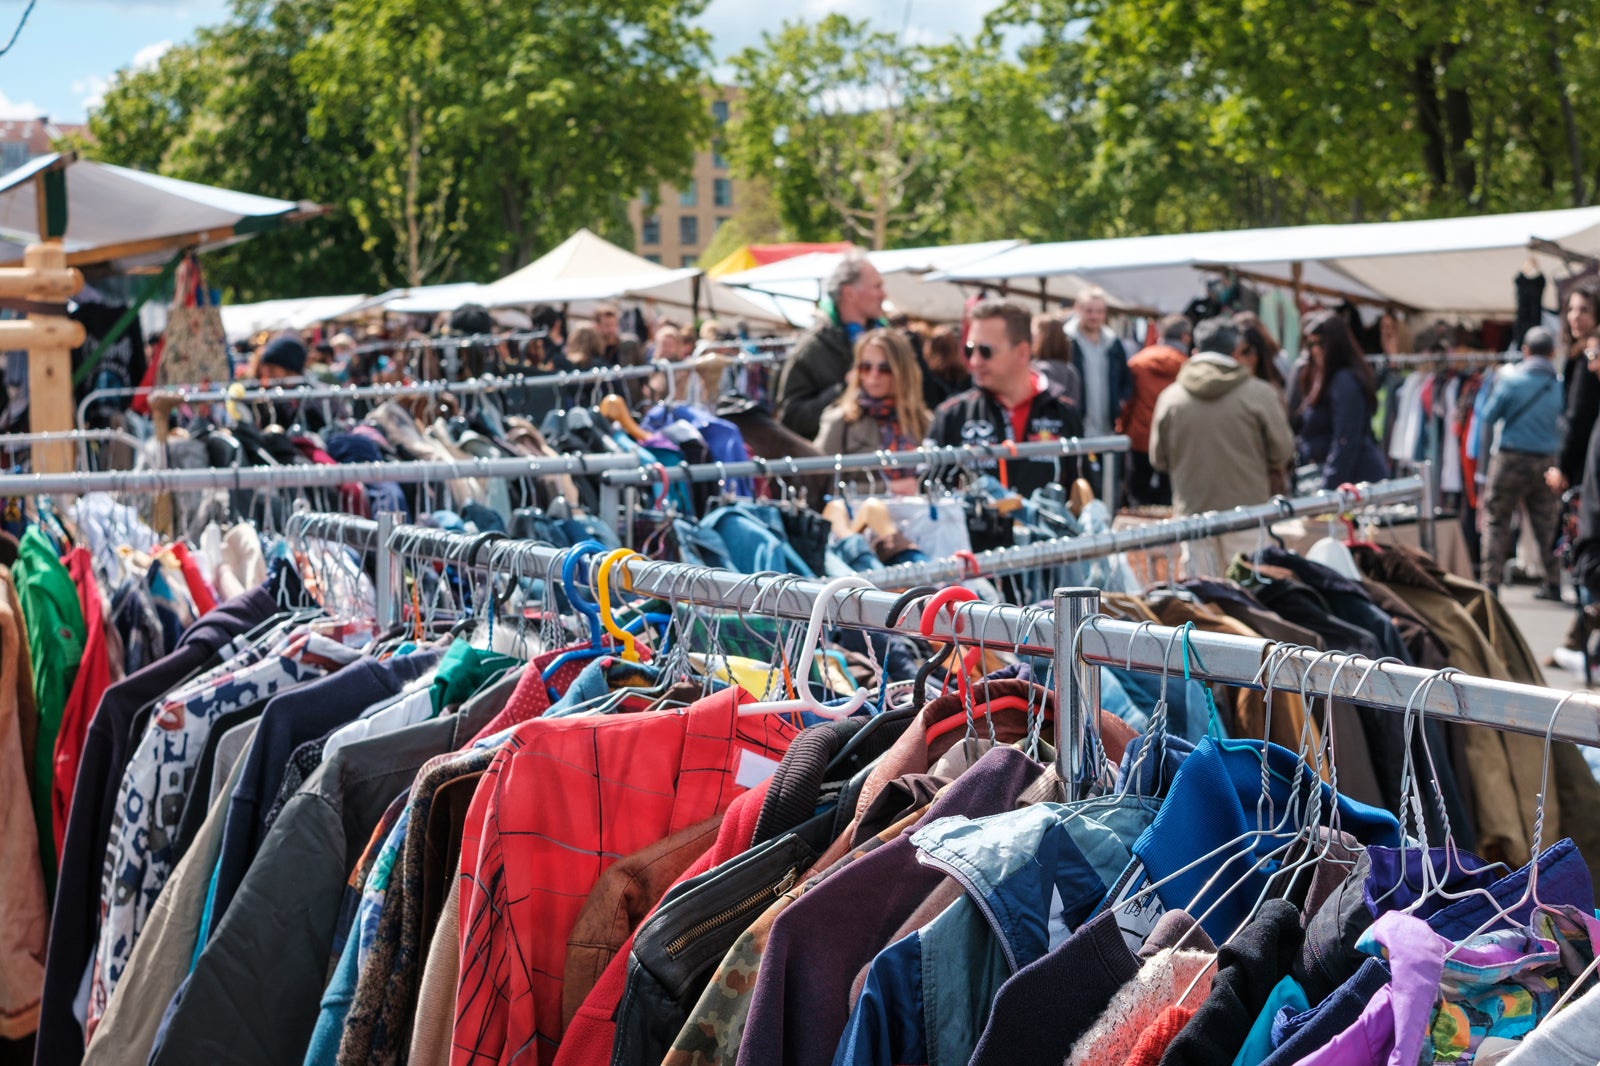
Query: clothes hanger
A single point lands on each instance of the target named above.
(1530, 893)
(630, 643)
(615, 408)
(591, 613)
(813, 635)
(944, 653)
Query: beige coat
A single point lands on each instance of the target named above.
(1219, 431)
(24, 916)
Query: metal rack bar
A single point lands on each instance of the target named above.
(1238, 660)
(1027, 629)
(1193, 527)
(470, 387)
(879, 460)
(306, 475)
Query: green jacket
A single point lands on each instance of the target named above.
(56, 636)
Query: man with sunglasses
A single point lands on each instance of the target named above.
(814, 375)
(1009, 400)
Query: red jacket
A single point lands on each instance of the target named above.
(88, 685)
(1153, 370)
(589, 1039)
(563, 800)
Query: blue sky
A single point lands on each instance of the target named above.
(69, 48)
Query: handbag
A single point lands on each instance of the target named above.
(196, 348)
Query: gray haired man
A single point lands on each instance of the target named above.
(814, 375)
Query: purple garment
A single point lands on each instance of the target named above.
(823, 940)
(1394, 1026)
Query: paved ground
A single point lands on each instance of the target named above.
(1545, 626)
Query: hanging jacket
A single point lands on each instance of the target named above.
(88, 685)
(24, 909)
(559, 790)
(1029, 878)
(56, 634)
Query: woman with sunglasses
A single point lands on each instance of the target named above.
(881, 407)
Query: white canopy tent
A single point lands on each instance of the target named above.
(1446, 266)
(907, 277)
(241, 321)
(586, 269)
(128, 219)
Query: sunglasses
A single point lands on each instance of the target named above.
(981, 351)
(875, 368)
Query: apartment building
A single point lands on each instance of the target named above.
(672, 226)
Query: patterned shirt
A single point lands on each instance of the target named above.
(563, 800)
(150, 798)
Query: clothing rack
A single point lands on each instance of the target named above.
(10, 442)
(768, 352)
(1447, 695)
(1074, 634)
(305, 475)
(1174, 531)
(163, 400)
(1414, 359)
(935, 457)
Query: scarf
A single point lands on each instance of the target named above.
(889, 435)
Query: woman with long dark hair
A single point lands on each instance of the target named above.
(1582, 388)
(1261, 351)
(1340, 397)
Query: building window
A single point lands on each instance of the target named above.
(688, 230)
(690, 260)
(12, 155)
(689, 195)
(719, 111)
(653, 258)
(722, 192)
(718, 160)
(650, 230)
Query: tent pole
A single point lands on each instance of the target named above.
(1044, 298)
(1297, 282)
(694, 310)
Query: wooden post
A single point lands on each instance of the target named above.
(1296, 278)
(49, 340)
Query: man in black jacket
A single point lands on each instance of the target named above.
(814, 375)
(1009, 400)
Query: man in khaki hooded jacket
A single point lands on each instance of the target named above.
(1219, 430)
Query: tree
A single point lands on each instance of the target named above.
(844, 123)
(453, 140)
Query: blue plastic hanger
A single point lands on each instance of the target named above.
(597, 644)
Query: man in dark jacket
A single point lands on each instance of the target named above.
(814, 375)
(1010, 401)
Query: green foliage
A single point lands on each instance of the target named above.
(455, 140)
(1074, 119)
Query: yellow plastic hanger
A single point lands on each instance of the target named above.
(630, 645)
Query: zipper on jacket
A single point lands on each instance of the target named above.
(978, 899)
(761, 899)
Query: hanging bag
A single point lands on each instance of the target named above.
(196, 348)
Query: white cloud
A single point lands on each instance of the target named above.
(150, 55)
(91, 91)
(736, 24)
(13, 111)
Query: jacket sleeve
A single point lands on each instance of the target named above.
(830, 434)
(1583, 406)
(1158, 444)
(1351, 426)
(1275, 431)
(802, 394)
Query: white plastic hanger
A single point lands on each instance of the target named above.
(808, 652)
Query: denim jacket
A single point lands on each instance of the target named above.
(1029, 877)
